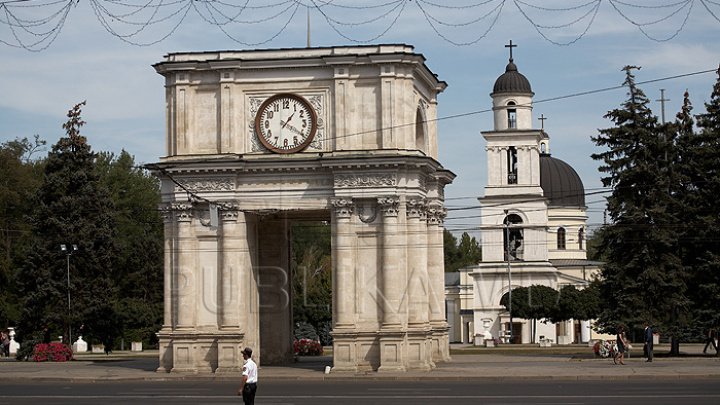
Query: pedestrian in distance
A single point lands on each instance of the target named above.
(5, 342)
(622, 346)
(710, 340)
(248, 387)
(648, 338)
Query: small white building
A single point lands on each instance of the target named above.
(533, 226)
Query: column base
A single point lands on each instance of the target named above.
(440, 342)
(418, 349)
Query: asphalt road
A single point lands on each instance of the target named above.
(656, 392)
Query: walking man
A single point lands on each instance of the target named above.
(249, 378)
(648, 343)
(710, 340)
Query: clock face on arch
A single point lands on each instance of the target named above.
(286, 123)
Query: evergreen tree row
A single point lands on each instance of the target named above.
(107, 282)
(661, 249)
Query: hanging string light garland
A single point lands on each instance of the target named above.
(34, 25)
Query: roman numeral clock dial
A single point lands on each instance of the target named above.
(286, 123)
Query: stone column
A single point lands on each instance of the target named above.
(436, 282)
(393, 275)
(343, 280)
(232, 316)
(234, 245)
(169, 244)
(184, 292)
(344, 334)
(185, 283)
(394, 288)
(419, 353)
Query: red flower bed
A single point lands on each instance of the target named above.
(52, 352)
(307, 347)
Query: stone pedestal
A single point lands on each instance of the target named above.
(229, 348)
(14, 346)
(344, 351)
(136, 346)
(392, 351)
(80, 346)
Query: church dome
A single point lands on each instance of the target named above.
(560, 183)
(512, 81)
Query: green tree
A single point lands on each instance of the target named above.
(312, 276)
(73, 208)
(577, 304)
(701, 186)
(534, 302)
(643, 277)
(138, 272)
(469, 251)
(450, 251)
(20, 177)
(463, 254)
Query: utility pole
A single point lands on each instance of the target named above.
(662, 101)
(68, 252)
(507, 258)
(308, 27)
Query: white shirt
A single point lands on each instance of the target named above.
(250, 370)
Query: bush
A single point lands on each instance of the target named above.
(52, 352)
(26, 349)
(307, 347)
(304, 330)
(324, 334)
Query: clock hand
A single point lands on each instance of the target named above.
(288, 120)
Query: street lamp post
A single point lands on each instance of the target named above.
(68, 252)
(507, 258)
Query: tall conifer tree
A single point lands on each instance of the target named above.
(643, 278)
(71, 208)
(702, 165)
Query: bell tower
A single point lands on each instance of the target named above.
(513, 159)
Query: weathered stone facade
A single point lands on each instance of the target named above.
(371, 171)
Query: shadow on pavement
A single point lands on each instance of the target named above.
(149, 364)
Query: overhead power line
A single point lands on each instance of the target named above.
(35, 24)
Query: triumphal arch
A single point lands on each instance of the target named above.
(258, 139)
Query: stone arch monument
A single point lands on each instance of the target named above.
(258, 139)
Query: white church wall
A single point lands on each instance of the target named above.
(572, 219)
(523, 108)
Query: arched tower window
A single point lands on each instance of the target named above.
(513, 237)
(561, 238)
(420, 130)
(512, 115)
(543, 148)
(581, 238)
(512, 165)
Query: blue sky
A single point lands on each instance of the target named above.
(125, 97)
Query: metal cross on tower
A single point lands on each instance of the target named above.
(511, 46)
(542, 121)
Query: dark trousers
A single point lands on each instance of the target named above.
(648, 351)
(248, 393)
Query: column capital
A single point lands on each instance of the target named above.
(417, 208)
(229, 210)
(183, 211)
(166, 212)
(436, 214)
(389, 205)
(343, 206)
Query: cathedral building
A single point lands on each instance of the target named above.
(533, 227)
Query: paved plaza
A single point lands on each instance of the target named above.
(516, 362)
